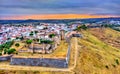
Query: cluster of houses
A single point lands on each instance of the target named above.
(8, 32)
(41, 31)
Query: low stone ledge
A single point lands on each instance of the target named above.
(5, 57)
(45, 62)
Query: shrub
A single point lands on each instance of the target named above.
(5, 51)
(46, 41)
(36, 32)
(37, 40)
(8, 44)
(117, 61)
(17, 37)
(1, 47)
(16, 52)
(34, 39)
(107, 66)
(21, 38)
(31, 34)
(84, 27)
(45, 28)
(51, 35)
(17, 44)
(29, 41)
(0, 53)
(113, 65)
(10, 51)
(8, 38)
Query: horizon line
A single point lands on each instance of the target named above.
(56, 16)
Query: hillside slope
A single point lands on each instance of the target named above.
(108, 36)
(95, 56)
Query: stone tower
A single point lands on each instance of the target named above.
(62, 34)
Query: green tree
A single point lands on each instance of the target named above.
(46, 41)
(37, 40)
(0, 53)
(36, 32)
(78, 29)
(22, 38)
(8, 44)
(52, 35)
(29, 41)
(31, 34)
(17, 44)
(1, 47)
(17, 38)
(84, 27)
(45, 28)
(11, 51)
(5, 51)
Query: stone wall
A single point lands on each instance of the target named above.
(5, 58)
(68, 53)
(45, 62)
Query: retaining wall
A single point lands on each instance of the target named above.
(5, 58)
(45, 62)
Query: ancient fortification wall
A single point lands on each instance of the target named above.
(45, 62)
(5, 58)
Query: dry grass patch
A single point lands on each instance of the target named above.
(107, 35)
(20, 47)
(96, 57)
(60, 52)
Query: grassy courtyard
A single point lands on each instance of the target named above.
(60, 52)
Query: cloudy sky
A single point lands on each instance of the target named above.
(29, 8)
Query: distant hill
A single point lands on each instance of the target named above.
(91, 20)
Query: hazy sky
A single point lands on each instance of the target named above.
(39, 7)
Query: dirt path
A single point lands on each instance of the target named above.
(76, 54)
